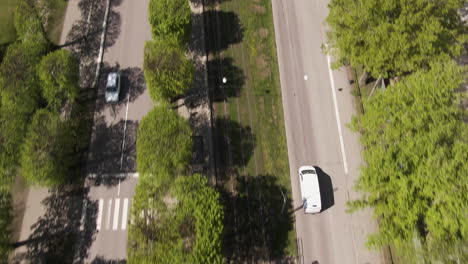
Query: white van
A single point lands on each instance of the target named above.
(310, 190)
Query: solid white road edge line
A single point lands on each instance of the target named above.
(337, 114)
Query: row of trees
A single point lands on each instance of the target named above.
(168, 71)
(36, 81)
(34, 75)
(415, 174)
(176, 218)
(395, 37)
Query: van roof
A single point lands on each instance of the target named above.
(310, 187)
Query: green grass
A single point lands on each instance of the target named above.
(259, 105)
(53, 28)
(7, 29)
(57, 16)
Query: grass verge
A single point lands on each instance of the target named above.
(56, 19)
(56, 16)
(7, 29)
(251, 115)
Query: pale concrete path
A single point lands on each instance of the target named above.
(316, 114)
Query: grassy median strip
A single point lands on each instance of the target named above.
(7, 29)
(254, 105)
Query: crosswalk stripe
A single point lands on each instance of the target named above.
(116, 214)
(109, 213)
(99, 218)
(124, 214)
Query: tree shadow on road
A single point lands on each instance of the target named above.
(57, 236)
(257, 220)
(132, 86)
(106, 154)
(84, 37)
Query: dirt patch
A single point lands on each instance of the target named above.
(263, 33)
(258, 9)
(263, 66)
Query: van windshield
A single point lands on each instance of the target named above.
(308, 172)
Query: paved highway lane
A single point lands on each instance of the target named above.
(112, 158)
(89, 225)
(317, 105)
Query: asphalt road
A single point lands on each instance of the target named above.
(317, 106)
(111, 164)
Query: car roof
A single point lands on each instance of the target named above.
(111, 79)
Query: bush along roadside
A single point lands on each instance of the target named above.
(176, 218)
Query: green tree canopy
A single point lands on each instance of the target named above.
(14, 126)
(48, 151)
(416, 148)
(200, 203)
(170, 18)
(20, 97)
(164, 142)
(393, 37)
(58, 72)
(28, 24)
(168, 71)
(19, 85)
(180, 224)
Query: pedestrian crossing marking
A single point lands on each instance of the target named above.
(99, 217)
(113, 213)
(124, 214)
(116, 214)
(109, 214)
